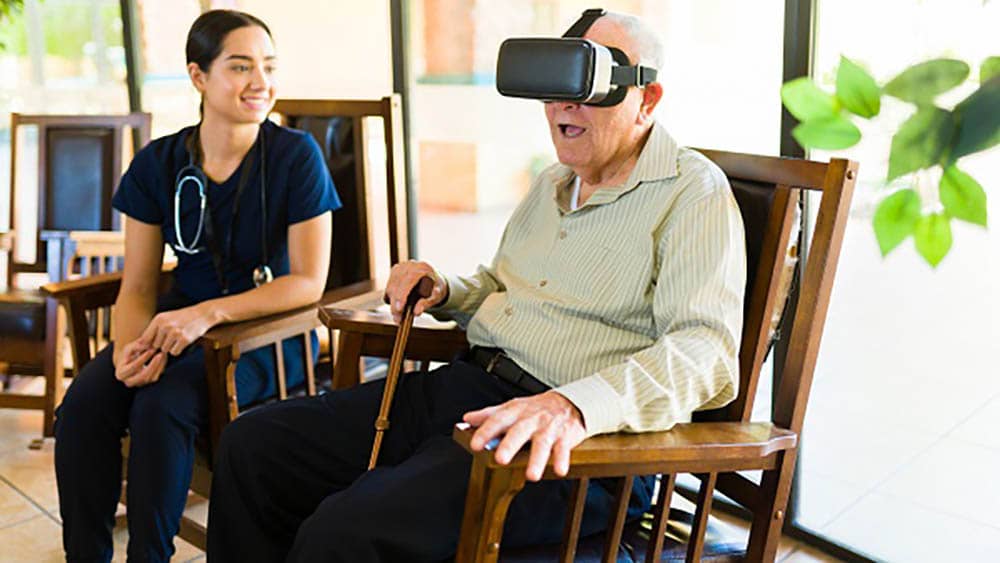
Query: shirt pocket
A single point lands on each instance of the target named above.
(606, 282)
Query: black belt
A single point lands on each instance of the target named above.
(496, 362)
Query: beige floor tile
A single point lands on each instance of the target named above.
(38, 540)
(33, 473)
(14, 508)
(18, 428)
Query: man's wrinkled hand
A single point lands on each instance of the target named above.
(549, 420)
(403, 277)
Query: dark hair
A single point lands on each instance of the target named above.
(204, 40)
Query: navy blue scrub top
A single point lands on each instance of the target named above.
(298, 188)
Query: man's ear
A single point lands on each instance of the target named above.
(652, 93)
(197, 76)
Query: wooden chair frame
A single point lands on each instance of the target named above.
(719, 443)
(225, 344)
(57, 249)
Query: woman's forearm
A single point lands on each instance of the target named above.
(131, 315)
(283, 294)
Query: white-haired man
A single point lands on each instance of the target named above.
(614, 303)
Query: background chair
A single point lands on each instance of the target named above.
(339, 127)
(79, 164)
(718, 443)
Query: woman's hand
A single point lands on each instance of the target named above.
(137, 364)
(173, 331)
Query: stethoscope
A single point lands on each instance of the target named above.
(193, 173)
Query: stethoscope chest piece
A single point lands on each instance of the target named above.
(261, 275)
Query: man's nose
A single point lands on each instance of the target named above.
(565, 105)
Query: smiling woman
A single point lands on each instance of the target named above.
(241, 201)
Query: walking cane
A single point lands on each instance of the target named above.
(421, 290)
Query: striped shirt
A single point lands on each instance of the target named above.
(630, 306)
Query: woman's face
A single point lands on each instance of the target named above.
(240, 84)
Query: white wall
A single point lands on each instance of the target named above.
(330, 49)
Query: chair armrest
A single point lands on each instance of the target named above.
(696, 447)
(98, 290)
(375, 322)
(255, 333)
(88, 292)
(375, 330)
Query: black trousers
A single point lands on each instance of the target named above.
(162, 420)
(290, 480)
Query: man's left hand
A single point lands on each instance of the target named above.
(552, 423)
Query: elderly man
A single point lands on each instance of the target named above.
(614, 303)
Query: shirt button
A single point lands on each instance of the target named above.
(542, 283)
(509, 311)
(562, 234)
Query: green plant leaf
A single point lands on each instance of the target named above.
(989, 69)
(857, 90)
(831, 133)
(933, 237)
(806, 101)
(979, 120)
(922, 82)
(895, 219)
(920, 141)
(963, 197)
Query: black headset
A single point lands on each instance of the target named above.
(193, 172)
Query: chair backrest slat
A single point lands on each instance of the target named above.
(79, 165)
(341, 128)
(768, 190)
(806, 330)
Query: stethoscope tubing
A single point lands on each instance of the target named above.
(191, 177)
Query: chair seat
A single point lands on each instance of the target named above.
(22, 314)
(719, 546)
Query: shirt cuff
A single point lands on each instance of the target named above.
(457, 292)
(598, 403)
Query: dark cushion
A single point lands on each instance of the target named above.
(335, 135)
(22, 314)
(755, 201)
(719, 546)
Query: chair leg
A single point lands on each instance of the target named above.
(347, 365)
(52, 366)
(486, 502)
(769, 516)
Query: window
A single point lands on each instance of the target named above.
(900, 440)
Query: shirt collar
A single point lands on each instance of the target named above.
(657, 161)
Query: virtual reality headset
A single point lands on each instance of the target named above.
(569, 68)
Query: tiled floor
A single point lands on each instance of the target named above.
(29, 508)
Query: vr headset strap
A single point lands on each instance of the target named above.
(581, 26)
(632, 75)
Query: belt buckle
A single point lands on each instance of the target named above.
(493, 362)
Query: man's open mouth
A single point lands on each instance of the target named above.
(571, 131)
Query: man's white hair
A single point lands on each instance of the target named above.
(650, 45)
